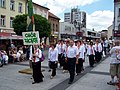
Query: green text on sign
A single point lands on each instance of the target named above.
(31, 38)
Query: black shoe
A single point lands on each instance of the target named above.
(1, 65)
(110, 83)
(77, 74)
(69, 82)
(33, 82)
(49, 70)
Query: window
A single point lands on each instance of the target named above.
(20, 8)
(56, 27)
(12, 4)
(119, 12)
(53, 27)
(2, 20)
(34, 10)
(2, 3)
(119, 27)
(11, 22)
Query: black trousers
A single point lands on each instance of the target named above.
(97, 56)
(61, 59)
(79, 66)
(37, 74)
(71, 68)
(105, 50)
(91, 60)
(53, 66)
(65, 66)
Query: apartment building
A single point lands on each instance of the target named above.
(116, 25)
(8, 10)
(110, 32)
(54, 21)
(76, 17)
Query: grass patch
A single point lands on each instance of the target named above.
(28, 71)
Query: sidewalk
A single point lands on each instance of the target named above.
(95, 79)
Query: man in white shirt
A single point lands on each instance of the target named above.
(71, 60)
(115, 63)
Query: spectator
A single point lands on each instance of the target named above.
(114, 65)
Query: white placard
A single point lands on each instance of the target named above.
(31, 38)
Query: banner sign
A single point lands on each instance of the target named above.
(31, 38)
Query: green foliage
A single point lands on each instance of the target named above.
(20, 24)
(41, 24)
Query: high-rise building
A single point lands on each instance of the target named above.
(116, 24)
(67, 17)
(76, 17)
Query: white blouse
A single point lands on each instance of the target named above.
(38, 53)
(53, 54)
(61, 49)
(81, 51)
(99, 47)
(90, 50)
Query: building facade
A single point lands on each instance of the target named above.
(104, 34)
(8, 10)
(116, 25)
(54, 21)
(110, 32)
(67, 17)
(89, 35)
(76, 17)
(40, 10)
(67, 30)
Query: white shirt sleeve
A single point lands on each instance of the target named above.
(49, 53)
(56, 55)
(30, 58)
(39, 53)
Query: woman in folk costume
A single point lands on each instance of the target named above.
(36, 65)
(91, 53)
(65, 68)
(80, 59)
(98, 50)
(53, 59)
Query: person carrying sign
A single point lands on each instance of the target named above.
(36, 65)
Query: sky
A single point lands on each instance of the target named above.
(100, 13)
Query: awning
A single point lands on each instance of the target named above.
(4, 35)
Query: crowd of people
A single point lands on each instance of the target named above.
(70, 55)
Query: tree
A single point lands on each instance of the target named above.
(20, 24)
(41, 24)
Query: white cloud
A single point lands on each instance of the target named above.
(100, 20)
(58, 6)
